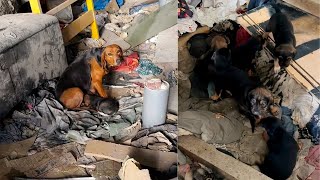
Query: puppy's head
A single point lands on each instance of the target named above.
(220, 61)
(261, 103)
(219, 42)
(111, 56)
(261, 41)
(285, 53)
(270, 124)
(108, 106)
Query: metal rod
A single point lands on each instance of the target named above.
(259, 27)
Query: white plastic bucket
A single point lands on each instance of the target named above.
(155, 104)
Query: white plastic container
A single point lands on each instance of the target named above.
(155, 104)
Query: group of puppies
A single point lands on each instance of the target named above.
(227, 68)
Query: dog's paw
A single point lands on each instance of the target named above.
(276, 111)
(276, 69)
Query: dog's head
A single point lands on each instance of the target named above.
(108, 106)
(285, 53)
(111, 56)
(220, 61)
(219, 42)
(261, 41)
(261, 103)
(270, 124)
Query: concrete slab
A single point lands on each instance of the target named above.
(153, 24)
(166, 48)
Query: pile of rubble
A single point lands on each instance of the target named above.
(42, 139)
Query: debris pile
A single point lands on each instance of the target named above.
(220, 124)
(42, 139)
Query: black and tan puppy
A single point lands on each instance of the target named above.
(254, 101)
(283, 150)
(84, 75)
(104, 105)
(283, 33)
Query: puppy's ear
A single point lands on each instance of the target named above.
(227, 39)
(293, 52)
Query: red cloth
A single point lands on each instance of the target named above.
(242, 36)
(129, 64)
(313, 159)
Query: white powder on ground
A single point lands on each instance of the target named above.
(225, 9)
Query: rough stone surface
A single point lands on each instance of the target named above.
(32, 50)
(8, 7)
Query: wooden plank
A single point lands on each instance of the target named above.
(94, 25)
(77, 26)
(33, 161)
(154, 23)
(310, 6)
(4, 169)
(206, 154)
(54, 162)
(60, 7)
(19, 148)
(116, 152)
(311, 63)
(35, 6)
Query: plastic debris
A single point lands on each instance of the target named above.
(146, 67)
(100, 4)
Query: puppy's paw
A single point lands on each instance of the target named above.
(216, 96)
(276, 69)
(275, 111)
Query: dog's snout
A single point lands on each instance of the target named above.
(287, 62)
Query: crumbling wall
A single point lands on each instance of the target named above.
(8, 7)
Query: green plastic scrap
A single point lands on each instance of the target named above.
(146, 67)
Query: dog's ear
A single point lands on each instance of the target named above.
(104, 59)
(294, 52)
(121, 52)
(227, 39)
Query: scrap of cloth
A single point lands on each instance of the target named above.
(211, 127)
(40, 113)
(129, 64)
(146, 67)
(314, 127)
(161, 138)
(313, 159)
(183, 9)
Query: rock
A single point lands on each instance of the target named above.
(8, 7)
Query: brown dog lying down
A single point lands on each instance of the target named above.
(84, 75)
(283, 33)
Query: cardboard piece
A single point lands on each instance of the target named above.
(112, 7)
(17, 149)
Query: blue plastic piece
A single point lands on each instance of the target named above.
(100, 4)
(146, 67)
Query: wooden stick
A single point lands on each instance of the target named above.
(60, 7)
(206, 154)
